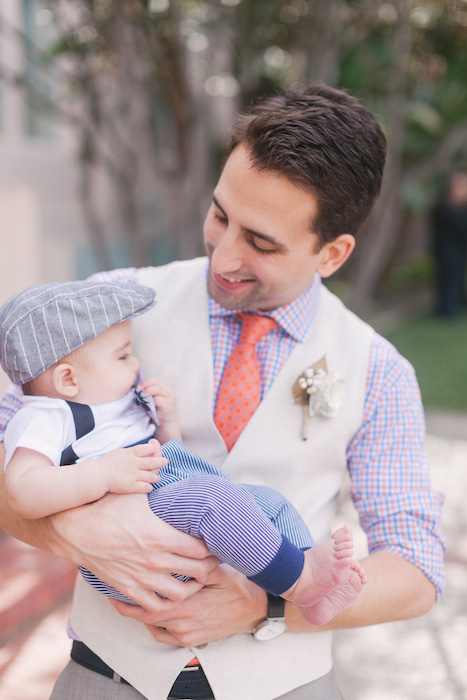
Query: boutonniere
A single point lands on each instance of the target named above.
(319, 392)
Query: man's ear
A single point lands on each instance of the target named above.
(334, 254)
(65, 380)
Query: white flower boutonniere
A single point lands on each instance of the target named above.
(319, 392)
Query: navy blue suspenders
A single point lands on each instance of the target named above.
(84, 423)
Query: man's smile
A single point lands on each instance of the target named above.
(229, 282)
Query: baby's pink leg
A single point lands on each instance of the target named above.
(326, 566)
(338, 599)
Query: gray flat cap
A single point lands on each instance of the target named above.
(44, 323)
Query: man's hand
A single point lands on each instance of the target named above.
(228, 604)
(132, 469)
(120, 540)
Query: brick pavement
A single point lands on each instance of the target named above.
(35, 595)
(32, 583)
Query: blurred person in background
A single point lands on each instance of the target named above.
(302, 172)
(450, 246)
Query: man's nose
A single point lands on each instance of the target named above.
(227, 252)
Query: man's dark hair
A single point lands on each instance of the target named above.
(324, 141)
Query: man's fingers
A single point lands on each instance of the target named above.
(162, 635)
(172, 589)
(140, 613)
(182, 637)
(198, 569)
(150, 606)
(182, 544)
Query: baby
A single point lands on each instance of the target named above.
(85, 408)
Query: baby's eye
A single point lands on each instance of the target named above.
(125, 356)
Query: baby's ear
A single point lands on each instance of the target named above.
(65, 380)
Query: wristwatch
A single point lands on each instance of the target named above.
(274, 625)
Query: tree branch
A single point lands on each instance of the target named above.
(441, 159)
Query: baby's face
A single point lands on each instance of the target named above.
(106, 367)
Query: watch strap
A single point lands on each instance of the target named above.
(276, 606)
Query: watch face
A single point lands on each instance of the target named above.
(270, 629)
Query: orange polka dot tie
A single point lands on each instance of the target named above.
(240, 388)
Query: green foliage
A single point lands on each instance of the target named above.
(436, 86)
(415, 271)
(193, 59)
(436, 348)
(272, 43)
(363, 70)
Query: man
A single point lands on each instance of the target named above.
(301, 175)
(450, 246)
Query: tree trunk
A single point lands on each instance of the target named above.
(319, 40)
(380, 229)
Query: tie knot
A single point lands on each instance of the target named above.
(254, 328)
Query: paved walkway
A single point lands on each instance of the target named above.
(425, 658)
(422, 659)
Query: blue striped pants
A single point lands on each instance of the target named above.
(252, 528)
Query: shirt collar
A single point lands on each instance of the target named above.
(295, 318)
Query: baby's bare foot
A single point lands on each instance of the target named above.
(338, 599)
(326, 566)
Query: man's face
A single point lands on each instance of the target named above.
(257, 236)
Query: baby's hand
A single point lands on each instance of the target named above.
(166, 407)
(133, 469)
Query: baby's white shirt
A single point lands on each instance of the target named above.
(46, 425)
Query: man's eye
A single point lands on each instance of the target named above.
(259, 249)
(219, 217)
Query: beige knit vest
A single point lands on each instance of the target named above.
(173, 342)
